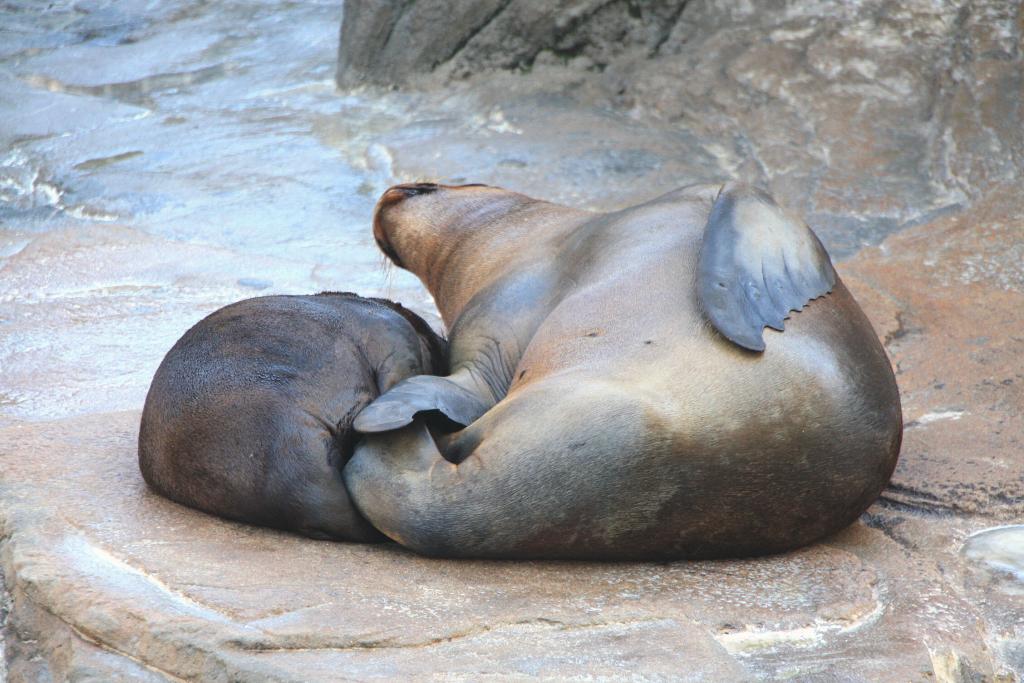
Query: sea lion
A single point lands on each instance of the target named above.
(249, 415)
(620, 397)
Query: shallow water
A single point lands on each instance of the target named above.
(158, 160)
(192, 125)
(997, 557)
(161, 159)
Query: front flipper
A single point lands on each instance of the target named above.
(757, 263)
(397, 406)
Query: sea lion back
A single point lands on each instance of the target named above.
(250, 414)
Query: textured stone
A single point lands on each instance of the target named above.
(106, 576)
(860, 115)
(111, 582)
(948, 298)
(389, 41)
(5, 608)
(996, 561)
(866, 117)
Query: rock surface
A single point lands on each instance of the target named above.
(162, 160)
(109, 578)
(386, 42)
(867, 117)
(948, 299)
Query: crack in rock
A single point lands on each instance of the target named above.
(539, 624)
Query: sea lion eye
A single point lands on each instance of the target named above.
(414, 189)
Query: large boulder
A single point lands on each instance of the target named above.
(866, 117)
(387, 42)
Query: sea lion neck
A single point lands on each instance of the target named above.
(476, 254)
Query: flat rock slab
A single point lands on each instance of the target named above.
(109, 581)
(106, 576)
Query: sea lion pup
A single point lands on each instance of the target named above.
(620, 397)
(249, 415)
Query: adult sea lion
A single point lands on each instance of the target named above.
(620, 396)
(249, 415)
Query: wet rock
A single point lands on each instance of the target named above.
(522, 142)
(91, 280)
(997, 558)
(390, 41)
(29, 113)
(867, 117)
(5, 608)
(254, 283)
(951, 666)
(864, 117)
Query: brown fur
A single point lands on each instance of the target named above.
(622, 425)
(250, 414)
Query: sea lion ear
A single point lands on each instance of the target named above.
(757, 263)
(397, 406)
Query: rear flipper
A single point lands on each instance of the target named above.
(576, 468)
(397, 407)
(552, 472)
(757, 263)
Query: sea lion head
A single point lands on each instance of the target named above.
(461, 239)
(417, 224)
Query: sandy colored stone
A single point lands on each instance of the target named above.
(91, 280)
(948, 299)
(190, 595)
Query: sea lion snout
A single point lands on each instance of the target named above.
(392, 196)
(408, 216)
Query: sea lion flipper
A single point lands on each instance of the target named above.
(396, 407)
(757, 263)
